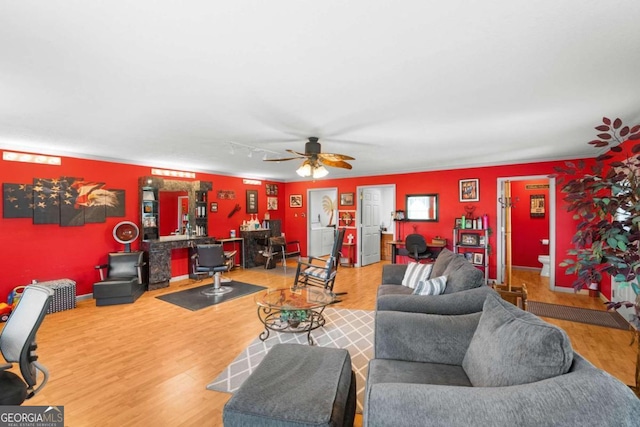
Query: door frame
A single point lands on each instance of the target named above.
(500, 247)
(359, 189)
(309, 200)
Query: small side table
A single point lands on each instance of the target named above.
(347, 261)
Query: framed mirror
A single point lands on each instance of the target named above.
(422, 207)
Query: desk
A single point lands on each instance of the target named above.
(235, 240)
(395, 251)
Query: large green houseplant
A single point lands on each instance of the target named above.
(605, 197)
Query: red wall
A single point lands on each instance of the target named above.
(527, 231)
(446, 184)
(46, 252)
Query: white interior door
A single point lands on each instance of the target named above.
(370, 225)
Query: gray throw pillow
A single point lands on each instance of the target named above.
(462, 275)
(442, 261)
(511, 347)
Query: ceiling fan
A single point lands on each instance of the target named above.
(315, 160)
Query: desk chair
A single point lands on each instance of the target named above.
(17, 344)
(279, 246)
(211, 260)
(417, 247)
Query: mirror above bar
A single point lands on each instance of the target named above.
(153, 190)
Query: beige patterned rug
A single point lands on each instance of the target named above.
(348, 329)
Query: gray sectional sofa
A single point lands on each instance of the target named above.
(465, 291)
(499, 367)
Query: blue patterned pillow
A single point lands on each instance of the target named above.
(435, 286)
(416, 272)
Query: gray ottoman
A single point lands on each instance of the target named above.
(296, 385)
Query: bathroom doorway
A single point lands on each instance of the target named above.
(532, 224)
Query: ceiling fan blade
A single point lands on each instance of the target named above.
(334, 157)
(282, 160)
(295, 152)
(335, 163)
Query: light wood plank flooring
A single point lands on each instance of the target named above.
(147, 364)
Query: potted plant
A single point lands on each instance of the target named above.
(294, 317)
(605, 197)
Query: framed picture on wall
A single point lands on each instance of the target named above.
(469, 190)
(272, 189)
(272, 203)
(214, 207)
(537, 205)
(346, 199)
(252, 201)
(295, 201)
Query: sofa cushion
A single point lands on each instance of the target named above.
(416, 273)
(511, 347)
(442, 261)
(461, 275)
(435, 286)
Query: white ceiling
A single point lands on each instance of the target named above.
(400, 85)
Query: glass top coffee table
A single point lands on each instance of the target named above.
(295, 311)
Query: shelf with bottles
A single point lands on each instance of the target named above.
(347, 219)
(149, 213)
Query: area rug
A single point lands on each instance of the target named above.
(609, 319)
(348, 329)
(192, 299)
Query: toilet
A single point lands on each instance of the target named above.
(544, 259)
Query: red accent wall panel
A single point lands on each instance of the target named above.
(72, 252)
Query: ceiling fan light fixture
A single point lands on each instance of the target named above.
(304, 170)
(320, 172)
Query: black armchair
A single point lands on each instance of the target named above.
(211, 260)
(417, 247)
(124, 281)
(17, 344)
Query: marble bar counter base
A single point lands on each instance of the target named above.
(158, 254)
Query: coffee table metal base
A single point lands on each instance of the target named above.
(272, 319)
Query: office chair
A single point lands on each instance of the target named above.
(124, 281)
(210, 259)
(17, 344)
(318, 271)
(417, 247)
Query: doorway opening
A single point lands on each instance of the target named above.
(375, 207)
(322, 214)
(533, 230)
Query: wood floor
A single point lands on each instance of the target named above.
(148, 363)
